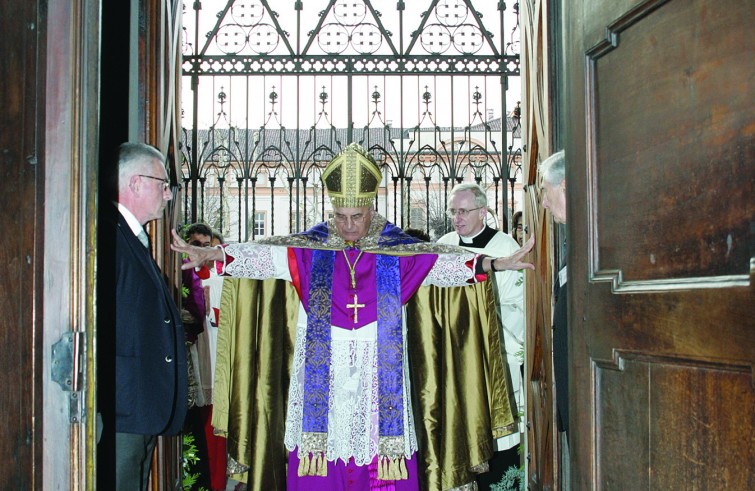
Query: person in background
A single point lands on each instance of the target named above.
(553, 173)
(467, 210)
(217, 238)
(200, 235)
(417, 233)
(353, 275)
(194, 313)
(517, 228)
(207, 341)
(150, 357)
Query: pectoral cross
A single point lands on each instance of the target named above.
(356, 305)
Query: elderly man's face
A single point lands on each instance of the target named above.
(154, 192)
(466, 217)
(352, 223)
(554, 199)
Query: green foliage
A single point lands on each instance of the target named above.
(188, 461)
(182, 230)
(520, 355)
(513, 480)
(520, 279)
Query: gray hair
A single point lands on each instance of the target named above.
(134, 158)
(553, 168)
(480, 198)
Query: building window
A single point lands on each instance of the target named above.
(259, 223)
(417, 218)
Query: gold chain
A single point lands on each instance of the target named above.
(352, 268)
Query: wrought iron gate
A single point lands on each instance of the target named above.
(270, 95)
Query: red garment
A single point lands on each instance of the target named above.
(216, 451)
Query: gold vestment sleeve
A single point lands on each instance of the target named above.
(255, 345)
(455, 346)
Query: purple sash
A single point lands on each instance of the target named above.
(390, 357)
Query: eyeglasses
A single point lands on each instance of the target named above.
(166, 183)
(461, 212)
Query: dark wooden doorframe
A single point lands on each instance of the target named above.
(541, 132)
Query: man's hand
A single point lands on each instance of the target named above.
(197, 255)
(515, 261)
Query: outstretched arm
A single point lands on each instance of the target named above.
(247, 260)
(464, 269)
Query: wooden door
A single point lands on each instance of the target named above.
(660, 147)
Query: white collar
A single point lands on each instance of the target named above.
(469, 240)
(133, 223)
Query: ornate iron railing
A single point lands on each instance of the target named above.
(255, 169)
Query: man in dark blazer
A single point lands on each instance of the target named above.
(150, 356)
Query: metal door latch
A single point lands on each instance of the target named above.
(66, 370)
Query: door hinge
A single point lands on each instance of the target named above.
(67, 369)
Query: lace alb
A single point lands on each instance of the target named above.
(353, 407)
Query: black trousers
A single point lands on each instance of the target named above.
(133, 458)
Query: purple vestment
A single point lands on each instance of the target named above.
(413, 270)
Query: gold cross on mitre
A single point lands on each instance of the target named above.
(356, 305)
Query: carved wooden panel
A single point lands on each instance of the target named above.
(158, 113)
(47, 138)
(681, 138)
(682, 410)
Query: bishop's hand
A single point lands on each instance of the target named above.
(514, 261)
(197, 255)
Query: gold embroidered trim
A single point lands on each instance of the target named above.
(312, 460)
(234, 467)
(369, 243)
(313, 442)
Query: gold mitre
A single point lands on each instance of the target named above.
(352, 178)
